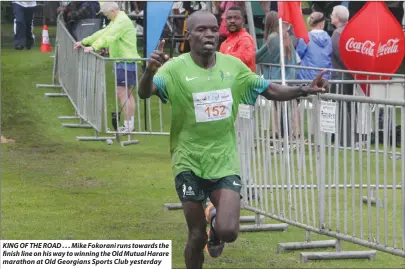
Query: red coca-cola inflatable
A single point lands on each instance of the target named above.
(372, 41)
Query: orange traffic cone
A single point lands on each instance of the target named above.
(45, 45)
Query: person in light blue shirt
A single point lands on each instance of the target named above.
(318, 52)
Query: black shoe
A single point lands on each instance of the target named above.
(19, 47)
(29, 45)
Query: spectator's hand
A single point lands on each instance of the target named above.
(318, 85)
(77, 45)
(88, 49)
(157, 58)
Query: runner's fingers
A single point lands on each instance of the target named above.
(156, 60)
(157, 54)
(155, 63)
(161, 45)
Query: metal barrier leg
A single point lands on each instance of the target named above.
(168, 207)
(313, 256)
(68, 117)
(55, 94)
(129, 142)
(82, 124)
(76, 125)
(53, 85)
(109, 139)
(308, 244)
(373, 200)
(259, 225)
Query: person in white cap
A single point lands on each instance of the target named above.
(120, 37)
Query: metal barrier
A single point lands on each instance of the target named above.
(81, 77)
(317, 180)
(88, 80)
(148, 119)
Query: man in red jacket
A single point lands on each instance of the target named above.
(239, 42)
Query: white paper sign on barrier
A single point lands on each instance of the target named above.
(328, 117)
(86, 254)
(245, 111)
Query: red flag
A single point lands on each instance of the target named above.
(291, 12)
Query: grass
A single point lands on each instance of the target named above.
(54, 187)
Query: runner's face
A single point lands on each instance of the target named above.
(204, 35)
(234, 21)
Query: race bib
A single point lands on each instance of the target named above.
(213, 105)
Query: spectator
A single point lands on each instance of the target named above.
(186, 8)
(216, 10)
(120, 37)
(326, 8)
(225, 5)
(76, 11)
(339, 18)
(403, 17)
(239, 43)
(318, 52)
(270, 53)
(397, 9)
(193, 6)
(23, 24)
(137, 8)
(268, 6)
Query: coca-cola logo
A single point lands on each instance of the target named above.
(368, 47)
(390, 47)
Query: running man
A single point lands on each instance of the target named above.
(205, 88)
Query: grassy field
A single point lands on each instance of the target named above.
(54, 187)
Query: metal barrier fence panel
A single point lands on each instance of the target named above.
(151, 116)
(89, 81)
(321, 182)
(374, 172)
(81, 77)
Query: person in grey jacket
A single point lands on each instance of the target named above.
(339, 18)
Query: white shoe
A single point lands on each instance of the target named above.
(125, 129)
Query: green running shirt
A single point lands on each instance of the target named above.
(204, 106)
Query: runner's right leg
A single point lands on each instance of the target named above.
(197, 237)
(193, 196)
